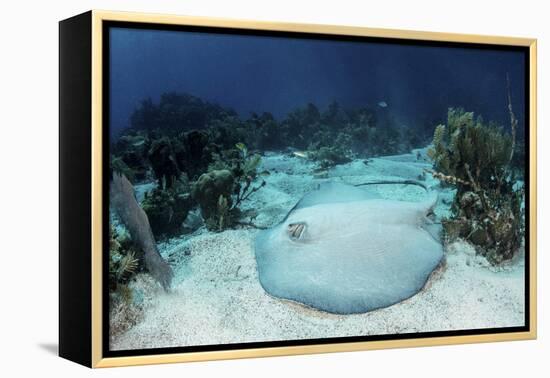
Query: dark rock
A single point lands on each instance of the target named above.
(167, 209)
(163, 162)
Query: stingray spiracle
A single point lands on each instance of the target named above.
(296, 230)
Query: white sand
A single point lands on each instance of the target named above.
(217, 297)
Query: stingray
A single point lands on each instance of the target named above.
(345, 250)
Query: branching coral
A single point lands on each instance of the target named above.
(231, 180)
(474, 157)
(211, 191)
(245, 173)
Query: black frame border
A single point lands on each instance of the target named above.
(75, 194)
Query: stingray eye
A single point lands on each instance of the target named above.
(296, 230)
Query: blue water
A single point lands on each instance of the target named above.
(272, 74)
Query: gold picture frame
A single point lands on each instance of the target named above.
(92, 24)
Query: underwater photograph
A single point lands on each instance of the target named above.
(275, 187)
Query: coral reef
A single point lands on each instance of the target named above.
(337, 135)
(183, 138)
(262, 132)
(123, 258)
(475, 158)
(131, 149)
(246, 173)
(243, 166)
(163, 161)
(194, 152)
(299, 126)
(176, 112)
(167, 207)
(122, 313)
(124, 264)
(118, 165)
(196, 130)
(329, 156)
(128, 303)
(229, 181)
(213, 191)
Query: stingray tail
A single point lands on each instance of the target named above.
(426, 207)
(394, 182)
(428, 204)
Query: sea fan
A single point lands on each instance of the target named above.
(135, 219)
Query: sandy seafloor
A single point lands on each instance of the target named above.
(217, 297)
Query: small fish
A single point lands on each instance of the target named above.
(140, 143)
(300, 154)
(383, 104)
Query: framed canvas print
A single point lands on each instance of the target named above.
(235, 189)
